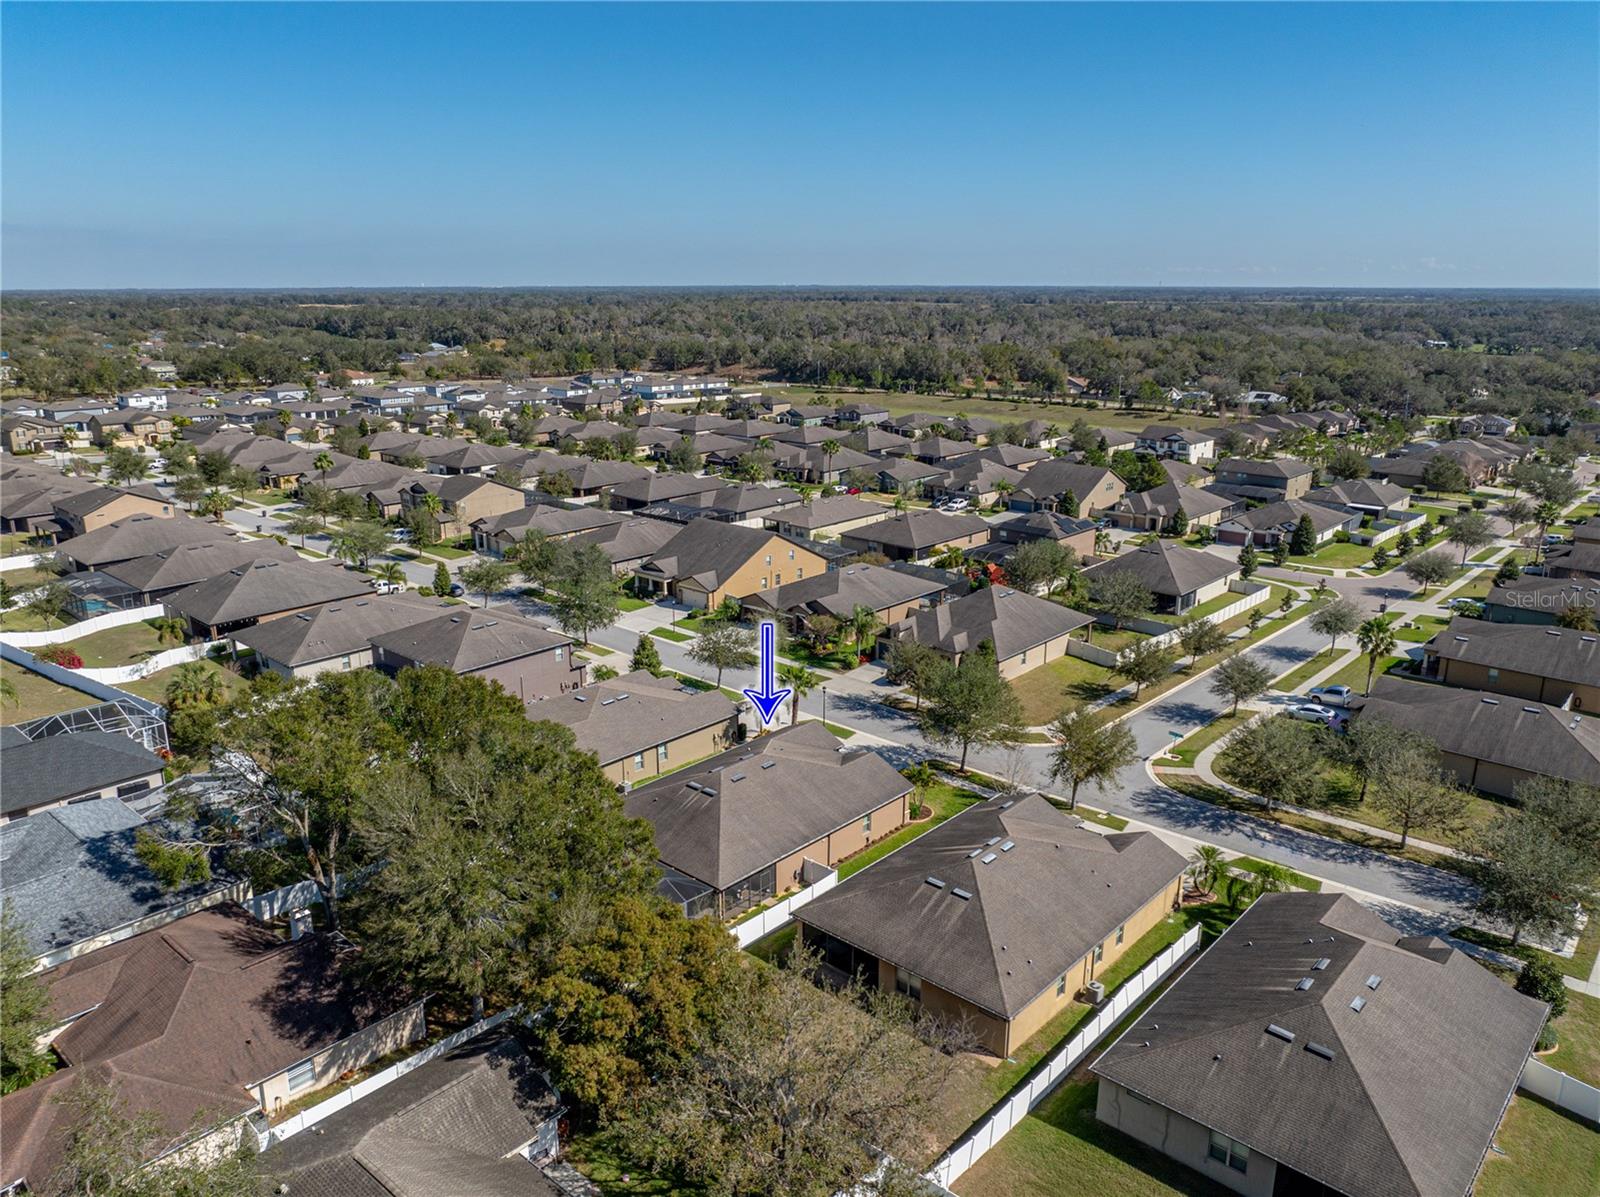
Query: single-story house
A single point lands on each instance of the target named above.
(337, 636)
(525, 658)
(1558, 666)
(1075, 534)
(641, 726)
(890, 594)
(1536, 600)
(740, 828)
(1314, 1049)
(942, 450)
(138, 536)
(1269, 524)
(1025, 631)
(259, 590)
(1580, 560)
(661, 488)
(1490, 742)
(631, 543)
(154, 577)
(981, 482)
(915, 535)
(56, 771)
(213, 1016)
(1365, 496)
(479, 1118)
(813, 463)
(905, 476)
(707, 561)
(494, 536)
(831, 515)
(1000, 916)
(1179, 578)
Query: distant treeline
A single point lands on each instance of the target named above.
(1532, 353)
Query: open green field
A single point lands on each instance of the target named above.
(37, 696)
(1578, 1052)
(119, 646)
(1044, 691)
(1337, 556)
(1304, 672)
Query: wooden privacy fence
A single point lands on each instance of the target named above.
(1004, 1117)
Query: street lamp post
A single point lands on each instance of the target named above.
(824, 705)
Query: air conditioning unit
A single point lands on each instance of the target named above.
(1094, 992)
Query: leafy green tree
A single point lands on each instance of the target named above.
(683, 458)
(1249, 559)
(1508, 573)
(802, 1093)
(1120, 595)
(25, 1014)
(1089, 749)
(1529, 879)
(1469, 531)
(193, 683)
(646, 656)
(189, 488)
(302, 524)
(1040, 565)
(1338, 618)
(1239, 679)
(1198, 637)
(124, 465)
(1304, 541)
(214, 504)
(627, 1002)
(487, 577)
(359, 541)
(914, 666)
(537, 558)
(49, 602)
(106, 1149)
(1207, 868)
(1416, 793)
(441, 579)
(1178, 525)
(724, 646)
(1443, 474)
(1145, 664)
(1544, 982)
(970, 704)
(586, 595)
(1280, 759)
(390, 573)
(1347, 464)
(1429, 569)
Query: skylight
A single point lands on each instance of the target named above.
(1278, 1032)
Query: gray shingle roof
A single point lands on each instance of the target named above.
(265, 587)
(793, 788)
(632, 713)
(1561, 654)
(71, 873)
(631, 540)
(1167, 499)
(1051, 479)
(468, 639)
(337, 628)
(1009, 619)
(1360, 492)
(57, 767)
(139, 536)
(1286, 514)
(451, 1125)
(1418, 1077)
(918, 530)
(840, 591)
(1530, 736)
(1034, 909)
(552, 521)
(707, 552)
(1169, 569)
(188, 564)
(1277, 467)
(1550, 596)
(827, 511)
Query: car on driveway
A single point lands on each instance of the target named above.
(1313, 712)
(1331, 696)
(956, 505)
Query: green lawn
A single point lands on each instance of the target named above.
(844, 733)
(119, 646)
(671, 634)
(1354, 674)
(1337, 555)
(629, 603)
(1578, 1052)
(20, 619)
(1546, 1154)
(1208, 607)
(1477, 588)
(38, 696)
(1304, 672)
(1579, 964)
(30, 578)
(943, 798)
(1249, 864)
(1044, 691)
(154, 687)
(1197, 742)
(1114, 640)
(1421, 628)
(615, 1175)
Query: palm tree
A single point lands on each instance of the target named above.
(390, 572)
(192, 684)
(1546, 514)
(1377, 639)
(169, 629)
(1102, 543)
(1207, 868)
(215, 504)
(433, 505)
(323, 462)
(829, 448)
(800, 681)
(864, 624)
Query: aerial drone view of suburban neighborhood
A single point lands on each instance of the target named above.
(711, 740)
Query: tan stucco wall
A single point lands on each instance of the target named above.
(1180, 1138)
(154, 778)
(846, 841)
(1027, 662)
(122, 507)
(789, 563)
(692, 747)
(1101, 498)
(360, 658)
(1485, 775)
(378, 1039)
(538, 675)
(1473, 676)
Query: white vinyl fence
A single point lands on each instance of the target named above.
(74, 679)
(769, 920)
(976, 1142)
(112, 674)
(21, 561)
(1560, 1090)
(86, 627)
(312, 1115)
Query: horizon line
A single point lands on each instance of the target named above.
(1027, 287)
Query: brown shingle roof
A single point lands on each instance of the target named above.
(265, 587)
(632, 713)
(468, 639)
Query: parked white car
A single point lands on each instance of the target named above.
(1331, 696)
(956, 505)
(1313, 712)
(383, 587)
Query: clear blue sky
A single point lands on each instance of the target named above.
(359, 144)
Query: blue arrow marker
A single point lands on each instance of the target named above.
(769, 698)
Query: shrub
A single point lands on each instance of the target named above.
(1479, 504)
(1463, 508)
(60, 654)
(1541, 980)
(425, 591)
(1549, 1038)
